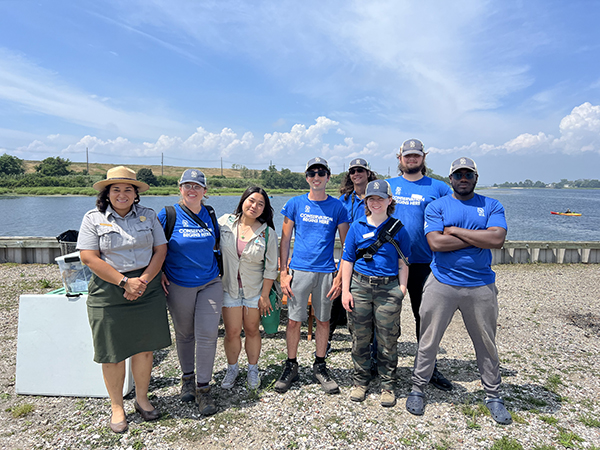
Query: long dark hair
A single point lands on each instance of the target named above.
(347, 186)
(102, 201)
(267, 214)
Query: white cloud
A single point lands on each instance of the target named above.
(281, 144)
(579, 133)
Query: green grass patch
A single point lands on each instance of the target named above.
(506, 443)
(589, 421)
(20, 410)
(553, 383)
(550, 420)
(568, 439)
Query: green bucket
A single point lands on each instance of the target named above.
(270, 323)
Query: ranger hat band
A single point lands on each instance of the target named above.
(463, 163)
(193, 176)
(121, 174)
(380, 188)
(412, 147)
(359, 162)
(318, 161)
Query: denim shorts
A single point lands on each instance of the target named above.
(230, 302)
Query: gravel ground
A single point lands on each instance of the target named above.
(549, 345)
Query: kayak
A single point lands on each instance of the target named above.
(565, 214)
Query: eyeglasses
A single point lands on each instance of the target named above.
(194, 186)
(356, 170)
(460, 175)
(312, 173)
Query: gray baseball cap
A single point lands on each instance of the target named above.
(318, 161)
(359, 162)
(463, 163)
(412, 147)
(381, 188)
(193, 176)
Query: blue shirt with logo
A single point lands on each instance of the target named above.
(385, 261)
(355, 206)
(190, 260)
(469, 266)
(412, 197)
(315, 225)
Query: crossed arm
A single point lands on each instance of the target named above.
(455, 238)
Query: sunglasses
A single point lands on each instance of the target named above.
(357, 170)
(194, 186)
(312, 173)
(467, 175)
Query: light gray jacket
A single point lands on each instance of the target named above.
(254, 265)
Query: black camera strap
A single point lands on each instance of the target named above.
(386, 234)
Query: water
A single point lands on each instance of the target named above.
(527, 212)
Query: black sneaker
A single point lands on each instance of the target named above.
(440, 381)
(321, 374)
(289, 375)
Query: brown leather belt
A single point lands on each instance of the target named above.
(373, 280)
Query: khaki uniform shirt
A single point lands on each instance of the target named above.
(126, 243)
(250, 264)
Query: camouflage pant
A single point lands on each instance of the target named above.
(375, 307)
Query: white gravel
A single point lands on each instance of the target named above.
(549, 345)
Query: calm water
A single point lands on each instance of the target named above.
(527, 211)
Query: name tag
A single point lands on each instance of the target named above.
(106, 224)
(368, 235)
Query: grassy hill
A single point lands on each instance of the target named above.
(100, 169)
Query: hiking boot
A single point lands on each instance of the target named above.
(206, 403)
(358, 393)
(188, 388)
(230, 376)
(253, 377)
(440, 381)
(289, 375)
(321, 374)
(388, 398)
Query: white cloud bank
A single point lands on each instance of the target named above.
(579, 133)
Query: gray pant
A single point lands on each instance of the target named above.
(196, 313)
(479, 309)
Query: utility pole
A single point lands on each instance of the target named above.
(87, 159)
(162, 164)
(221, 166)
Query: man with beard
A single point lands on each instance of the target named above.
(413, 191)
(461, 229)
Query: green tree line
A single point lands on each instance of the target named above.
(564, 183)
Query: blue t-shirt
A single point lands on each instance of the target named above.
(315, 225)
(190, 260)
(411, 199)
(469, 266)
(385, 261)
(354, 205)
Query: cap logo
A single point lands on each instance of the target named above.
(413, 144)
(317, 159)
(463, 160)
(357, 161)
(376, 185)
(194, 174)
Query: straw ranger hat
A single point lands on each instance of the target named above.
(121, 174)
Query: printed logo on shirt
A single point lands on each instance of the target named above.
(481, 212)
(185, 223)
(195, 232)
(307, 208)
(414, 200)
(398, 190)
(315, 218)
(425, 225)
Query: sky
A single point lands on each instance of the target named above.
(513, 84)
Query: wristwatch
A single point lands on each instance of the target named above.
(123, 282)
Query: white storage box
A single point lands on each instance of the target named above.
(75, 275)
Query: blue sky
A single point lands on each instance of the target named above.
(513, 84)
